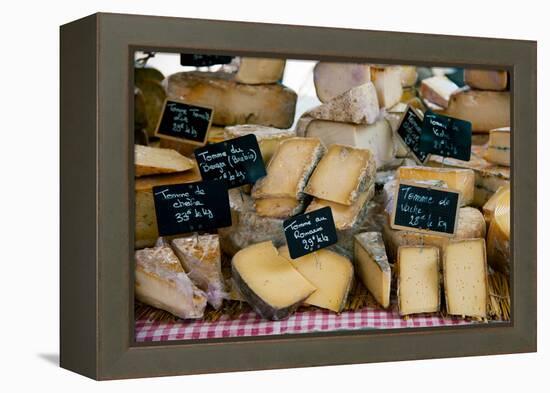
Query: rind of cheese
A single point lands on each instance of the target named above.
(498, 237)
(201, 259)
(438, 89)
(330, 273)
(418, 280)
(486, 110)
(462, 180)
(377, 137)
(333, 79)
(146, 231)
(409, 76)
(387, 81)
(256, 70)
(268, 138)
(279, 207)
(289, 169)
(489, 207)
(342, 174)
(161, 282)
(358, 105)
(486, 79)
(235, 103)
(268, 281)
(465, 278)
(155, 160)
(372, 265)
(498, 147)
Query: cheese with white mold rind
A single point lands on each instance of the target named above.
(372, 265)
(279, 207)
(256, 70)
(377, 137)
(235, 103)
(418, 280)
(154, 160)
(161, 282)
(268, 281)
(498, 147)
(342, 174)
(333, 79)
(289, 169)
(486, 79)
(330, 273)
(438, 90)
(387, 81)
(465, 278)
(498, 237)
(462, 180)
(201, 259)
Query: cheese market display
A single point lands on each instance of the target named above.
(329, 141)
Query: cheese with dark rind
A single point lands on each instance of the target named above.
(333, 79)
(486, 79)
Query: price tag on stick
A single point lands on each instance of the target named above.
(446, 136)
(410, 130)
(309, 232)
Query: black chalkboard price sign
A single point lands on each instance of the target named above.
(425, 209)
(309, 232)
(196, 60)
(184, 122)
(446, 136)
(410, 131)
(182, 208)
(238, 161)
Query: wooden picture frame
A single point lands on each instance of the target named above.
(97, 198)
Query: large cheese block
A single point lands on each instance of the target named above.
(269, 138)
(377, 137)
(387, 81)
(498, 237)
(342, 174)
(235, 103)
(268, 281)
(438, 89)
(462, 180)
(289, 169)
(155, 160)
(465, 278)
(161, 282)
(409, 75)
(418, 280)
(257, 70)
(146, 232)
(358, 105)
(490, 205)
(333, 79)
(330, 273)
(471, 224)
(498, 147)
(279, 207)
(486, 79)
(486, 110)
(201, 258)
(372, 265)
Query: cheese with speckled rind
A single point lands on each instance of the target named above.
(387, 81)
(486, 79)
(438, 90)
(257, 70)
(155, 160)
(333, 79)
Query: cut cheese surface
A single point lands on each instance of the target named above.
(289, 169)
(257, 70)
(465, 278)
(342, 174)
(278, 207)
(372, 265)
(486, 79)
(498, 147)
(438, 89)
(268, 281)
(498, 237)
(387, 81)
(330, 273)
(333, 79)
(418, 280)
(154, 160)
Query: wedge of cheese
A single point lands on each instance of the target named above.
(498, 237)
(269, 138)
(462, 180)
(161, 282)
(257, 70)
(409, 75)
(333, 79)
(465, 278)
(268, 281)
(418, 280)
(154, 160)
(289, 169)
(235, 103)
(387, 81)
(486, 79)
(279, 207)
(486, 110)
(376, 137)
(498, 147)
(490, 205)
(342, 175)
(438, 89)
(371, 263)
(330, 273)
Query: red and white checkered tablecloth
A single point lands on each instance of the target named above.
(250, 324)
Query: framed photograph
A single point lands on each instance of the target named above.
(242, 196)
